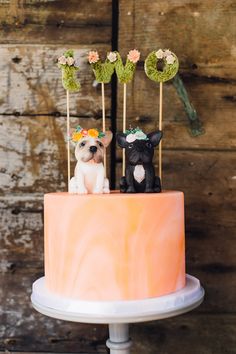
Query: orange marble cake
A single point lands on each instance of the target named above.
(115, 246)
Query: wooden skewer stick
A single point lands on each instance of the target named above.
(68, 135)
(104, 124)
(124, 128)
(160, 128)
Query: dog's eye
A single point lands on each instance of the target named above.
(82, 144)
(130, 146)
(149, 145)
(100, 144)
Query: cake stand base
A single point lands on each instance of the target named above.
(117, 314)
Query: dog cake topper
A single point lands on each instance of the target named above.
(69, 67)
(139, 151)
(89, 176)
(160, 66)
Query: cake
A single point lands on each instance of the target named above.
(114, 247)
(123, 245)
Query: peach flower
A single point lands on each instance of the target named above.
(84, 132)
(134, 56)
(93, 133)
(93, 57)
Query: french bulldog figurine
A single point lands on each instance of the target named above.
(139, 150)
(89, 176)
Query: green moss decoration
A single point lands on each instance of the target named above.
(125, 72)
(69, 67)
(103, 71)
(169, 69)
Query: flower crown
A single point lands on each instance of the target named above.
(67, 60)
(133, 56)
(80, 133)
(135, 134)
(167, 55)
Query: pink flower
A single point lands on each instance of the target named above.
(84, 132)
(62, 60)
(93, 57)
(70, 61)
(134, 56)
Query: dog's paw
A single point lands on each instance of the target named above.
(106, 190)
(82, 191)
(97, 191)
(149, 190)
(130, 190)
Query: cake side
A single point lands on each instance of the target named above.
(114, 247)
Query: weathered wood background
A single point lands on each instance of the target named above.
(33, 155)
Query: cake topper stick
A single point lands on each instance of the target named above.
(124, 128)
(69, 67)
(160, 128)
(161, 66)
(125, 75)
(68, 134)
(104, 122)
(103, 73)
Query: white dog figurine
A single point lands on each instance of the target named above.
(89, 176)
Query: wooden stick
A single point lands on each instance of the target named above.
(68, 135)
(124, 128)
(160, 128)
(104, 124)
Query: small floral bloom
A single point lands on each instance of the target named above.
(76, 136)
(62, 60)
(167, 52)
(84, 132)
(134, 56)
(93, 57)
(70, 61)
(93, 133)
(76, 63)
(112, 57)
(140, 135)
(160, 54)
(130, 138)
(170, 59)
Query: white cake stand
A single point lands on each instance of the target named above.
(117, 314)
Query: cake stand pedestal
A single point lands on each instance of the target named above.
(117, 314)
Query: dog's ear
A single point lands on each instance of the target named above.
(107, 138)
(155, 137)
(121, 140)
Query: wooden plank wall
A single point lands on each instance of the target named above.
(32, 156)
(203, 35)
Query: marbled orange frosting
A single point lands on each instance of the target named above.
(116, 246)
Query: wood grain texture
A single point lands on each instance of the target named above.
(35, 160)
(55, 21)
(198, 31)
(33, 156)
(31, 82)
(213, 102)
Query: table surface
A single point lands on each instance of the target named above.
(108, 312)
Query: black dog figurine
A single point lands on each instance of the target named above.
(139, 174)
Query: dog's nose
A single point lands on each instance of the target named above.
(93, 149)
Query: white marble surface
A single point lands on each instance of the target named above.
(117, 311)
